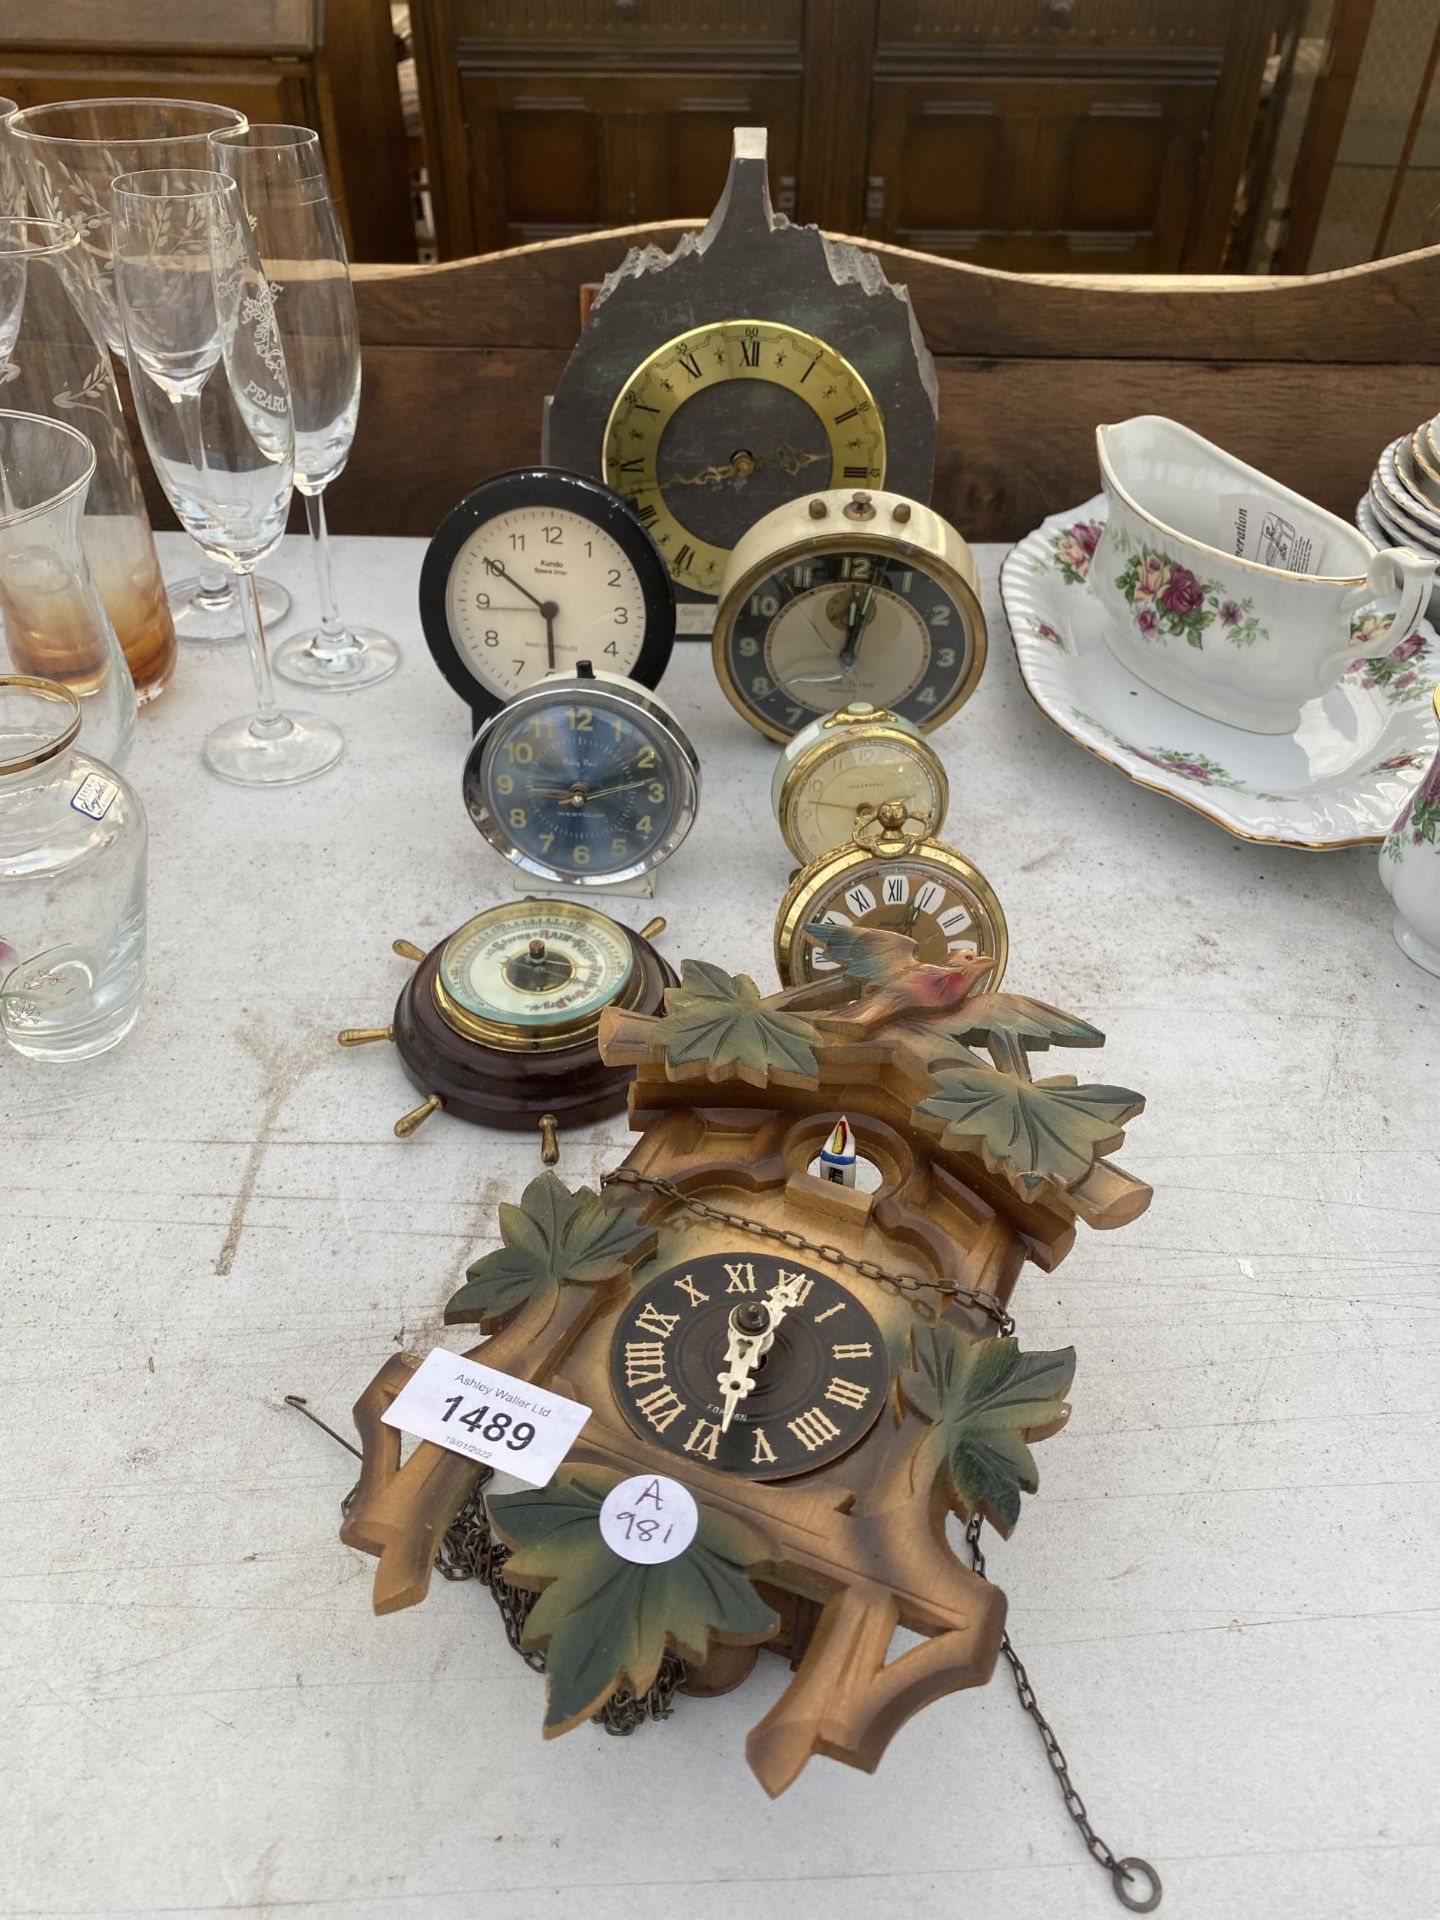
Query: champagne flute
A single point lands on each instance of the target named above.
(282, 182)
(12, 184)
(208, 373)
(70, 152)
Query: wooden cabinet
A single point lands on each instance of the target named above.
(327, 64)
(560, 152)
(1071, 176)
(1068, 135)
(546, 117)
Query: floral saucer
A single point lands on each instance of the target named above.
(1339, 780)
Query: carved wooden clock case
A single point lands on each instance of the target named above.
(893, 1394)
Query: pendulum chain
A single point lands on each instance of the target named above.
(1121, 1872)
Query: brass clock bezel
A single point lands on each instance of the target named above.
(513, 1038)
(960, 579)
(845, 728)
(792, 952)
(666, 520)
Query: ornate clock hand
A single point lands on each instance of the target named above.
(791, 460)
(749, 1336)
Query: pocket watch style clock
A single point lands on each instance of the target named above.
(892, 875)
(849, 595)
(754, 364)
(585, 778)
(849, 761)
(499, 1023)
(533, 571)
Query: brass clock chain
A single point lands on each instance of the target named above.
(1122, 1872)
(908, 1283)
(470, 1551)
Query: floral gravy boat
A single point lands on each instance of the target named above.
(1227, 591)
(1340, 780)
(1410, 869)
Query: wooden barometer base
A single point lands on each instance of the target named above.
(518, 1087)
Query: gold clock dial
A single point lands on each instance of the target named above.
(728, 421)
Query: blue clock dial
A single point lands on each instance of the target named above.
(581, 781)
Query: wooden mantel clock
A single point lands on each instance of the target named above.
(888, 1390)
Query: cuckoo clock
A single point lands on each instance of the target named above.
(829, 1372)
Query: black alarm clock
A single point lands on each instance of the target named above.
(534, 571)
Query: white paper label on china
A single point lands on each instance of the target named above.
(1273, 534)
(94, 796)
(508, 1424)
(648, 1518)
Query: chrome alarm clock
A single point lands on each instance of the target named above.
(585, 779)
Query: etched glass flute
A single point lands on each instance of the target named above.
(12, 181)
(281, 177)
(70, 152)
(208, 373)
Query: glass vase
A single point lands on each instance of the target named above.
(72, 882)
(53, 361)
(53, 623)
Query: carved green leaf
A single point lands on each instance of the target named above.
(606, 1623)
(1031, 1022)
(554, 1236)
(720, 1018)
(1037, 1130)
(986, 1399)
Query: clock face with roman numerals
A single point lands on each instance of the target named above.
(817, 1391)
(728, 421)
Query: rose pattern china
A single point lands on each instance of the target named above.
(1410, 869)
(1229, 592)
(1338, 780)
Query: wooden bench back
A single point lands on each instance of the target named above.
(1306, 378)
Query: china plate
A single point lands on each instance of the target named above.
(1338, 781)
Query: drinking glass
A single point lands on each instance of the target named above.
(53, 624)
(208, 373)
(72, 881)
(70, 153)
(12, 181)
(53, 361)
(281, 177)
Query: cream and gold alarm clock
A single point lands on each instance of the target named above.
(848, 595)
(845, 765)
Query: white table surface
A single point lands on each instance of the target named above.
(1225, 1591)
